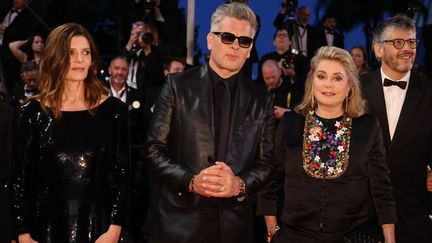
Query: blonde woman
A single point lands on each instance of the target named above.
(332, 157)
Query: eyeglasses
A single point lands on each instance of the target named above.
(229, 38)
(282, 35)
(400, 43)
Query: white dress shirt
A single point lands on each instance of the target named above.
(329, 38)
(303, 33)
(121, 94)
(394, 99)
(133, 69)
(8, 19)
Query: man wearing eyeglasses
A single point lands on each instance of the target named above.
(402, 100)
(209, 142)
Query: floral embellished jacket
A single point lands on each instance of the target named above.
(329, 208)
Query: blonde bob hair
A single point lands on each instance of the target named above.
(354, 104)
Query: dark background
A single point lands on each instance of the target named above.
(109, 20)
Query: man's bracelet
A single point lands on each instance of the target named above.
(191, 184)
(242, 188)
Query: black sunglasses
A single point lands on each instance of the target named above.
(228, 38)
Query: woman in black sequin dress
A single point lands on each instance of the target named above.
(72, 164)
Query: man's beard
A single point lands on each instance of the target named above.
(118, 80)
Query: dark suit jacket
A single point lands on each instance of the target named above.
(21, 28)
(137, 116)
(6, 140)
(362, 191)
(181, 140)
(410, 151)
(312, 32)
(338, 40)
(301, 66)
(312, 40)
(150, 70)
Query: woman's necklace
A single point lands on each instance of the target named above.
(317, 138)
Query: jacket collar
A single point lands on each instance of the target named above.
(378, 107)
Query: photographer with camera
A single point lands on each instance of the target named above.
(303, 34)
(293, 65)
(285, 95)
(145, 58)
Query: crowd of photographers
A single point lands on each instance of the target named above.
(138, 70)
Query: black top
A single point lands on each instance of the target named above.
(328, 208)
(71, 175)
(287, 94)
(222, 109)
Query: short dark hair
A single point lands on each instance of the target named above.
(167, 63)
(28, 66)
(122, 57)
(328, 16)
(400, 21)
(279, 29)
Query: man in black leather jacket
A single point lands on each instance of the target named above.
(209, 143)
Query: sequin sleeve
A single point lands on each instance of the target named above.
(120, 185)
(26, 153)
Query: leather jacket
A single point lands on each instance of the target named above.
(180, 140)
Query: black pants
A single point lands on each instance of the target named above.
(208, 230)
(423, 234)
(289, 234)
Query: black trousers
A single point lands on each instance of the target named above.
(289, 234)
(208, 230)
(423, 234)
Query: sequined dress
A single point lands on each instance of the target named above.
(71, 175)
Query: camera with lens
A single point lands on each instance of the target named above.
(289, 59)
(290, 6)
(147, 37)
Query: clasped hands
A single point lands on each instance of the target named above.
(217, 181)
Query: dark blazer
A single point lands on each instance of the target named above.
(137, 116)
(312, 41)
(6, 140)
(338, 40)
(131, 93)
(362, 191)
(410, 151)
(181, 140)
(301, 66)
(150, 70)
(21, 28)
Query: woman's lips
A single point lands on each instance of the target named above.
(328, 93)
(77, 69)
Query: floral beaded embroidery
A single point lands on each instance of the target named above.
(316, 138)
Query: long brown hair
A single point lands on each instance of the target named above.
(356, 105)
(55, 65)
